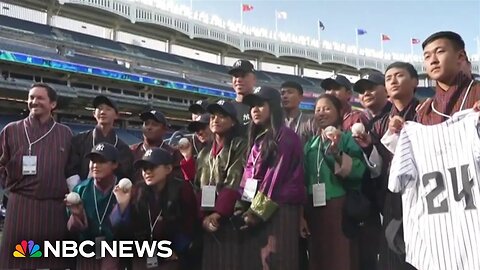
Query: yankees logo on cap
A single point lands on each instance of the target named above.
(104, 150)
(154, 157)
(223, 106)
(100, 147)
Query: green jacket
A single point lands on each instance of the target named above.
(226, 173)
(331, 173)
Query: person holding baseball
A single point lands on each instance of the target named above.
(334, 164)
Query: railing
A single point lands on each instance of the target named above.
(138, 12)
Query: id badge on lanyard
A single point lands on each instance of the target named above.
(319, 195)
(209, 194)
(152, 262)
(250, 190)
(29, 165)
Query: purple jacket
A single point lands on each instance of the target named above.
(286, 176)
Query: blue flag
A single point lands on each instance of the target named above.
(361, 31)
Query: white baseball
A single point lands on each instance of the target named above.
(73, 198)
(125, 184)
(358, 129)
(183, 142)
(330, 130)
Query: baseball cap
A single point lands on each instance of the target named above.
(99, 100)
(199, 107)
(104, 150)
(154, 157)
(335, 82)
(369, 81)
(200, 123)
(241, 66)
(261, 95)
(223, 106)
(155, 115)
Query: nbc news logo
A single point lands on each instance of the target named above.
(27, 250)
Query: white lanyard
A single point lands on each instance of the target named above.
(255, 159)
(461, 106)
(214, 164)
(100, 220)
(152, 226)
(30, 144)
(145, 149)
(319, 164)
(298, 122)
(93, 139)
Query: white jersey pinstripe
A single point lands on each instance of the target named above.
(437, 170)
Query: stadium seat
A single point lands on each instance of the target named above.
(36, 28)
(97, 62)
(93, 40)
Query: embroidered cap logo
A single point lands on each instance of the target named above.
(153, 112)
(221, 102)
(257, 90)
(366, 77)
(334, 77)
(148, 153)
(100, 147)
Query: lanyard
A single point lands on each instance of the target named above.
(320, 162)
(145, 149)
(298, 122)
(100, 220)
(213, 162)
(30, 144)
(461, 106)
(93, 139)
(152, 226)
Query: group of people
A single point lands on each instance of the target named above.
(260, 184)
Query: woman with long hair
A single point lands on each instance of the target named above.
(272, 189)
(334, 164)
(159, 208)
(219, 172)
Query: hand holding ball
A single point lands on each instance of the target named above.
(73, 198)
(125, 184)
(358, 129)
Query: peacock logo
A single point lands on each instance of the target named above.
(27, 250)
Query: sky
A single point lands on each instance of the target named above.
(400, 20)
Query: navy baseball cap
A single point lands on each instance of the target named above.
(199, 107)
(263, 94)
(224, 107)
(335, 82)
(157, 116)
(368, 82)
(99, 100)
(200, 123)
(241, 67)
(154, 157)
(105, 150)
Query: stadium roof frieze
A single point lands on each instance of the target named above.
(197, 30)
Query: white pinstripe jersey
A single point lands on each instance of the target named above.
(436, 168)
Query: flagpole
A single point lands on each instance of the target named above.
(276, 23)
(319, 34)
(191, 5)
(241, 14)
(381, 43)
(411, 49)
(356, 43)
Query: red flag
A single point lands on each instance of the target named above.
(415, 40)
(385, 37)
(247, 7)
